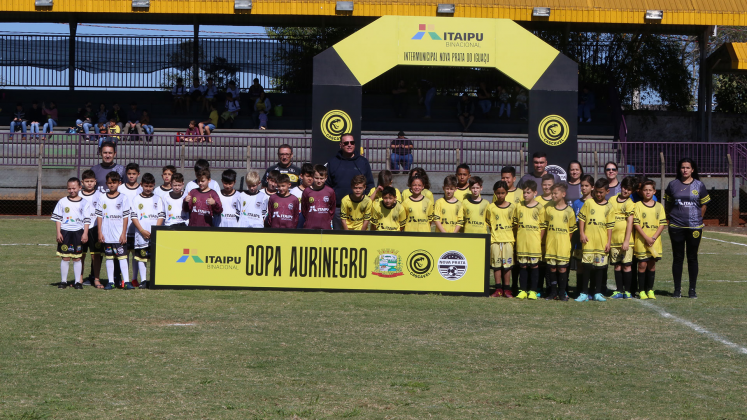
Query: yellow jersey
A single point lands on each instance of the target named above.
(530, 221)
(378, 194)
(427, 193)
(354, 213)
(598, 219)
(473, 215)
(387, 219)
(560, 225)
(622, 210)
(419, 214)
(544, 202)
(649, 219)
(500, 221)
(461, 194)
(448, 214)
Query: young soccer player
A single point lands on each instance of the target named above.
(388, 214)
(72, 217)
(419, 173)
(473, 208)
(508, 175)
(586, 186)
(621, 253)
(462, 187)
(113, 214)
(91, 194)
(499, 217)
(529, 218)
(272, 184)
(318, 203)
(282, 208)
(649, 221)
(146, 211)
(595, 223)
(201, 165)
(230, 201)
(385, 180)
(548, 180)
(166, 174)
(203, 204)
(131, 189)
(418, 208)
(306, 177)
(173, 203)
(447, 212)
(561, 223)
(253, 203)
(355, 208)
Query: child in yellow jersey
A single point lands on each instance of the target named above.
(545, 200)
(385, 180)
(561, 223)
(418, 173)
(355, 208)
(387, 214)
(649, 221)
(462, 187)
(473, 208)
(595, 222)
(530, 219)
(447, 213)
(418, 208)
(499, 217)
(621, 253)
(515, 195)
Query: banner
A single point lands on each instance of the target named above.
(313, 259)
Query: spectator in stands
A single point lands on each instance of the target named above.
(539, 161)
(34, 117)
(233, 90)
(102, 116)
(114, 128)
(261, 104)
(232, 110)
(209, 125)
(133, 120)
(465, 111)
(85, 119)
(401, 153)
(179, 94)
(505, 100)
(108, 154)
(262, 120)
(341, 169)
(102, 130)
(196, 92)
(586, 104)
(399, 94)
(192, 132)
(255, 90)
(284, 166)
(117, 115)
(521, 106)
(19, 120)
(426, 95)
(210, 91)
(484, 98)
(145, 123)
(51, 114)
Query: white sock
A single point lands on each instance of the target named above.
(141, 266)
(64, 267)
(134, 267)
(124, 269)
(78, 270)
(110, 270)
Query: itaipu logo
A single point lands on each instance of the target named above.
(421, 32)
(184, 258)
(212, 262)
(447, 36)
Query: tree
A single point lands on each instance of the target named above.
(730, 90)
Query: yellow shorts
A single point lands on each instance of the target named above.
(528, 260)
(502, 255)
(617, 256)
(552, 262)
(597, 260)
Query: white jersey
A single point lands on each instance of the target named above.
(253, 210)
(72, 215)
(174, 210)
(160, 192)
(93, 201)
(298, 192)
(130, 193)
(147, 211)
(112, 211)
(192, 185)
(231, 207)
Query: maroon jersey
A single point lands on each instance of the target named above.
(282, 212)
(200, 212)
(318, 207)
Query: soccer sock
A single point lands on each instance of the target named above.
(123, 268)
(141, 267)
(586, 276)
(534, 274)
(78, 270)
(135, 266)
(543, 272)
(523, 278)
(619, 281)
(110, 270)
(650, 277)
(64, 268)
(600, 275)
(627, 280)
(641, 281)
(562, 283)
(552, 280)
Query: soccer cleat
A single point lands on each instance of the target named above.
(539, 294)
(651, 295)
(62, 285)
(497, 293)
(87, 282)
(552, 296)
(563, 298)
(692, 294)
(599, 297)
(135, 283)
(128, 286)
(628, 295)
(677, 294)
(617, 295)
(533, 295)
(642, 295)
(507, 293)
(583, 297)
(522, 295)
(78, 286)
(109, 286)
(143, 285)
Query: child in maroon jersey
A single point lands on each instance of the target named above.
(282, 208)
(202, 203)
(318, 203)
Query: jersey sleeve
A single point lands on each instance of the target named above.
(99, 211)
(402, 217)
(668, 195)
(86, 213)
(572, 225)
(637, 215)
(430, 212)
(161, 208)
(610, 217)
(703, 194)
(125, 208)
(367, 210)
(375, 216)
(584, 212)
(345, 208)
(488, 218)
(661, 215)
(57, 213)
(437, 211)
(541, 218)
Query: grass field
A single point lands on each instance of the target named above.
(248, 354)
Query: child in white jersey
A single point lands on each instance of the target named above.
(253, 203)
(72, 216)
(91, 194)
(113, 214)
(172, 203)
(230, 201)
(131, 189)
(146, 211)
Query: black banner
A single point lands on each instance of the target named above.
(336, 110)
(553, 125)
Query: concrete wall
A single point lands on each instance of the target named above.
(670, 126)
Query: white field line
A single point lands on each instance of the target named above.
(695, 327)
(28, 244)
(726, 242)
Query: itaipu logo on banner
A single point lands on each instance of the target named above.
(451, 48)
(212, 262)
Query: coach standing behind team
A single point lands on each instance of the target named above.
(685, 202)
(539, 162)
(108, 154)
(284, 166)
(341, 169)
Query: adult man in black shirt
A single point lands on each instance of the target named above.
(539, 161)
(401, 153)
(108, 153)
(284, 166)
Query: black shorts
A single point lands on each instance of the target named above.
(117, 251)
(71, 246)
(141, 254)
(93, 245)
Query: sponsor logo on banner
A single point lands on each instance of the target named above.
(420, 263)
(212, 262)
(452, 265)
(184, 258)
(557, 170)
(553, 130)
(387, 264)
(421, 31)
(335, 123)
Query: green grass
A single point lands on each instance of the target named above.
(92, 354)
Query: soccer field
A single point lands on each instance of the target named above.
(142, 354)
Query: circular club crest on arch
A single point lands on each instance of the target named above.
(335, 123)
(553, 130)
